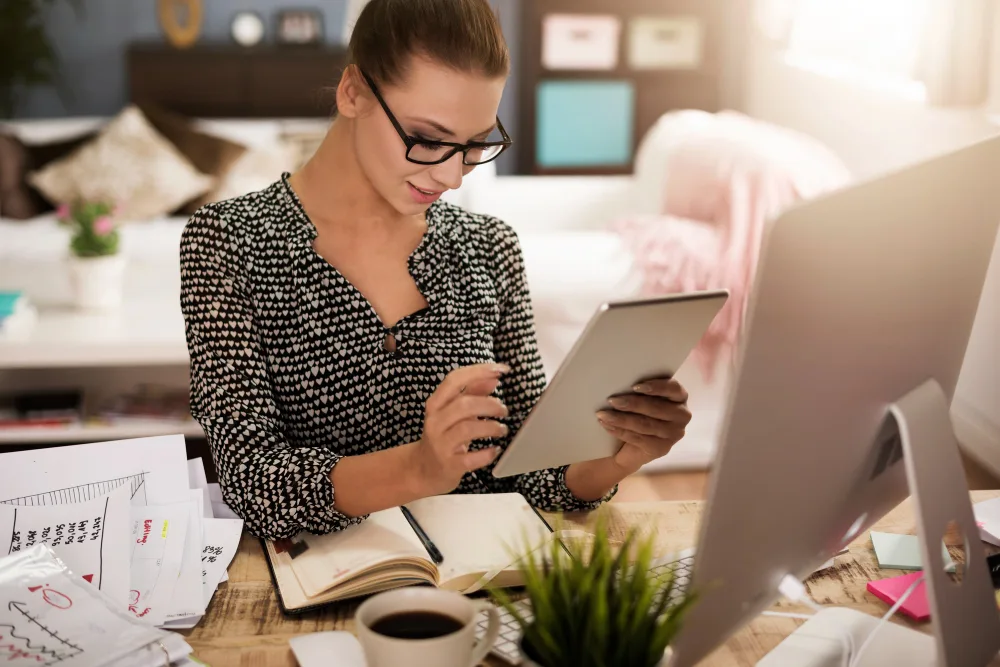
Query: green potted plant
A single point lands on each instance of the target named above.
(96, 266)
(27, 56)
(598, 606)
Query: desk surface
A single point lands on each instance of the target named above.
(245, 626)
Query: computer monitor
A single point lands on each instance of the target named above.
(860, 297)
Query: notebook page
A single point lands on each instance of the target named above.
(479, 533)
(330, 559)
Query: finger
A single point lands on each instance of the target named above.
(656, 407)
(637, 423)
(668, 388)
(466, 407)
(468, 430)
(464, 376)
(480, 458)
(481, 387)
(651, 445)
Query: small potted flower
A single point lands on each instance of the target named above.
(600, 606)
(96, 267)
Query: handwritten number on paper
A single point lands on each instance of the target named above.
(52, 596)
(210, 553)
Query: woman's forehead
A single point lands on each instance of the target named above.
(462, 101)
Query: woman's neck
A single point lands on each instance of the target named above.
(335, 191)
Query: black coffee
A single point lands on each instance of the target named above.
(416, 625)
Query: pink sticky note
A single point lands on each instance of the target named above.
(890, 590)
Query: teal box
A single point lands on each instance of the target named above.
(584, 123)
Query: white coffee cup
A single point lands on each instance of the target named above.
(457, 649)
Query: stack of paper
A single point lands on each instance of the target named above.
(52, 616)
(134, 518)
(988, 519)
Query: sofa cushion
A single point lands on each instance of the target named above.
(18, 199)
(209, 154)
(128, 163)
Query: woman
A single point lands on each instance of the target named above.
(356, 343)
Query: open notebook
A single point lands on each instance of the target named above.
(479, 536)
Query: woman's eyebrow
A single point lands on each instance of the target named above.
(445, 131)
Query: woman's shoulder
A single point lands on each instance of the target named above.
(252, 219)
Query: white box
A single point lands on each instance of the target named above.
(666, 43)
(580, 42)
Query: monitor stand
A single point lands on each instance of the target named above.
(964, 617)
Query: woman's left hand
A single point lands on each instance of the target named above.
(649, 422)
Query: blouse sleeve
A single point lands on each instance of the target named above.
(277, 489)
(515, 345)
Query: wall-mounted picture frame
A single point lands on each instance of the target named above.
(299, 27)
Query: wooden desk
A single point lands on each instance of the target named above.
(244, 625)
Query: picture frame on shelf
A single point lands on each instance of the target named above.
(299, 27)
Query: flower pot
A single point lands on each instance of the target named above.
(97, 282)
(528, 661)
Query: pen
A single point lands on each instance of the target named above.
(431, 549)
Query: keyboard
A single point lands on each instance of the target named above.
(510, 632)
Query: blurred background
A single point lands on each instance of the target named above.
(642, 129)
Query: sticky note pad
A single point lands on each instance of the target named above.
(902, 552)
(890, 590)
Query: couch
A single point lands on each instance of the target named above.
(574, 259)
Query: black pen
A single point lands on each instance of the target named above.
(431, 549)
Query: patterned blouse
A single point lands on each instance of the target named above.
(291, 370)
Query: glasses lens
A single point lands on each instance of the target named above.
(483, 154)
(429, 153)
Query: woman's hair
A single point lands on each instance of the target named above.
(462, 34)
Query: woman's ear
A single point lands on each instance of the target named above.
(351, 98)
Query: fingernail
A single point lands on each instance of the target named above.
(603, 417)
(618, 402)
(501, 368)
(642, 388)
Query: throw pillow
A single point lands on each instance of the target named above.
(18, 200)
(128, 163)
(209, 154)
(258, 168)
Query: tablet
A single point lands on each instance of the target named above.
(624, 343)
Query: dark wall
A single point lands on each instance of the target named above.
(91, 48)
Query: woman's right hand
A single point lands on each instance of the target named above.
(456, 414)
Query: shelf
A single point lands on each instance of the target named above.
(136, 335)
(84, 433)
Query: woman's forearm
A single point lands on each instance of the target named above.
(592, 480)
(376, 481)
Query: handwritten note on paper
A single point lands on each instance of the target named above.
(153, 469)
(50, 616)
(90, 538)
(222, 539)
(158, 540)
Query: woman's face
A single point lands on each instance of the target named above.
(432, 102)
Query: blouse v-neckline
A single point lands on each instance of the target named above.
(416, 264)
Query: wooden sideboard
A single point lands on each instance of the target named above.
(229, 81)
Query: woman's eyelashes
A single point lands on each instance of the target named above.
(425, 140)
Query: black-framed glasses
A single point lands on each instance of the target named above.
(421, 151)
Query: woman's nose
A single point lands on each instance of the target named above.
(449, 173)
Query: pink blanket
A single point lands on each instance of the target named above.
(725, 179)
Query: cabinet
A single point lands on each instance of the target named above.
(228, 81)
